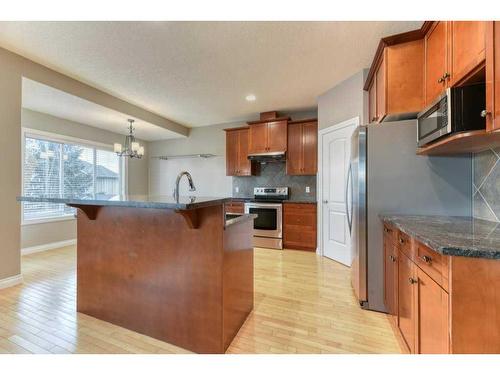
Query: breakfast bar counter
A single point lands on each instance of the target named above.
(170, 269)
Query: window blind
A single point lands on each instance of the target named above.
(56, 169)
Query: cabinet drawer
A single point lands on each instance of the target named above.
(234, 207)
(432, 263)
(301, 208)
(404, 243)
(301, 219)
(295, 237)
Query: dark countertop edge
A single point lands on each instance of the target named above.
(238, 199)
(444, 250)
(129, 204)
(240, 219)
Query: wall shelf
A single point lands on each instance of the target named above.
(190, 156)
(462, 143)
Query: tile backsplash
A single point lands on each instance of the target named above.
(272, 175)
(486, 185)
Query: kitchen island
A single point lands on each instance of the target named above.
(174, 270)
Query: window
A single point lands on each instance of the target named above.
(58, 167)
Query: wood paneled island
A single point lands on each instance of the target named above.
(173, 270)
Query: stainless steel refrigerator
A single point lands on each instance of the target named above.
(386, 176)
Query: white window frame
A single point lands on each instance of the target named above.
(54, 137)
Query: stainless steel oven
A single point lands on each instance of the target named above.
(458, 109)
(268, 226)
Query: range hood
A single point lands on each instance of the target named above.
(268, 157)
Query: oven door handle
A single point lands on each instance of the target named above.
(349, 180)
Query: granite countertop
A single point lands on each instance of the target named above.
(451, 235)
(137, 201)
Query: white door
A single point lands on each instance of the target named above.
(335, 154)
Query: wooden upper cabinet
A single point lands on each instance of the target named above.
(257, 138)
(436, 61)
(395, 84)
(294, 154)
(372, 101)
(268, 136)
(493, 75)
(468, 48)
(302, 149)
(380, 90)
(237, 163)
(433, 318)
(407, 300)
(277, 136)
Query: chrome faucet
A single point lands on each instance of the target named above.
(190, 181)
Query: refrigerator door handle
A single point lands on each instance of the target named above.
(349, 179)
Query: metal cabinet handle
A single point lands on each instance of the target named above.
(401, 241)
(412, 280)
(446, 75)
(426, 258)
(441, 80)
(392, 258)
(485, 113)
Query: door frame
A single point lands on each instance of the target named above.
(319, 179)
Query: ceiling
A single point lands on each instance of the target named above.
(199, 73)
(42, 98)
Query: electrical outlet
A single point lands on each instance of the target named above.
(237, 189)
(308, 189)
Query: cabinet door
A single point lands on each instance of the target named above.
(380, 90)
(276, 136)
(232, 140)
(294, 157)
(406, 300)
(435, 61)
(390, 276)
(310, 148)
(372, 101)
(244, 165)
(468, 44)
(432, 312)
(299, 226)
(257, 138)
(493, 76)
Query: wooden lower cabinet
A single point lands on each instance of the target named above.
(234, 207)
(406, 300)
(432, 312)
(442, 304)
(299, 226)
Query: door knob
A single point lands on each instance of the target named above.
(325, 201)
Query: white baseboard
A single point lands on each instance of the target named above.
(47, 246)
(11, 281)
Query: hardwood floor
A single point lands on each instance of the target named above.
(303, 304)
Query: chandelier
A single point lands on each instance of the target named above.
(131, 148)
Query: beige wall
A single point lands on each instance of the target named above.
(41, 234)
(12, 68)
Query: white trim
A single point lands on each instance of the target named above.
(319, 178)
(54, 137)
(11, 281)
(47, 246)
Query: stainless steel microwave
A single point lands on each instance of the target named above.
(459, 109)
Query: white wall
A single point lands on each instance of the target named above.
(209, 175)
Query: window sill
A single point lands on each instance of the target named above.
(47, 220)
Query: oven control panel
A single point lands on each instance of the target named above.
(271, 192)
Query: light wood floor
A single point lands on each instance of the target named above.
(303, 304)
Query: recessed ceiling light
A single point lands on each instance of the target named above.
(250, 98)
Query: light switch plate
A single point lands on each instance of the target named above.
(308, 189)
(237, 189)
